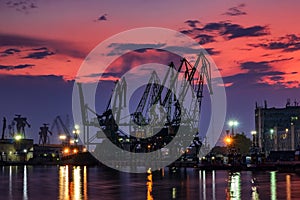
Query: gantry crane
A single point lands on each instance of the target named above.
(176, 115)
(61, 130)
(155, 93)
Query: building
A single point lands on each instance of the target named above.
(12, 150)
(277, 129)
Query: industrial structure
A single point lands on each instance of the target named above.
(277, 129)
(157, 102)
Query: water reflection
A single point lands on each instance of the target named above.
(25, 194)
(273, 185)
(10, 181)
(288, 187)
(27, 182)
(72, 182)
(149, 185)
(234, 181)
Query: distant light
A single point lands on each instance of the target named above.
(286, 130)
(66, 150)
(149, 171)
(271, 131)
(62, 137)
(75, 150)
(228, 140)
(233, 123)
(253, 132)
(25, 150)
(76, 126)
(84, 150)
(18, 137)
(71, 141)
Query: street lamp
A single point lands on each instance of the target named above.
(232, 124)
(76, 133)
(253, 133)
(228, 140)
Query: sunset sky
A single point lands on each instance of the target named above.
(255, 44)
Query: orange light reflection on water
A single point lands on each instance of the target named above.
(72, 182)
(149, 186)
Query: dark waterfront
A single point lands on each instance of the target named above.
(67, 182)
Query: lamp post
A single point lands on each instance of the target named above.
(76, 134)
(253, 133)
(232, 124)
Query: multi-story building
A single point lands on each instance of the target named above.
(277, 129)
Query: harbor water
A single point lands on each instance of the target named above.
(74, 182)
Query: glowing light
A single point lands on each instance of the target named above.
(75, 150)
(66, 150)
(25, 150)
(84, 149)
(253, 132)
(228, 140)
(76, 126)
(271, 131)
(18, 137)
(233, 123)
(62, 137)
(71, 141)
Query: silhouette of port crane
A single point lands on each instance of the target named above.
(44, 137)
(21, 123)
(158, 102)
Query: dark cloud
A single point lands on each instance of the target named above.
(61, 47)
(204, 38)
(119, 48)
(11, 67)
(236, 11)
(255, 75)
(22, 6)
(211, 51)
(103, 18)
(41, 49)
(10, 51)
(208, 32)
(277, 78)
(232, 31)
(192, 23)
(287, 43)
(39, 55)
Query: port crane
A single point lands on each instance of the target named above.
(44, 131)
(61, 129)
(21, 122)
(155, 95)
